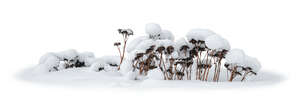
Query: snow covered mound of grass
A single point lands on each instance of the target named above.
(202, 55)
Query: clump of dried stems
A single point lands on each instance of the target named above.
(125, 33)
(198, 55)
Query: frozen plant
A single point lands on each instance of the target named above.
(235, 58)
(49, 62)
(105, 63)
(197, 37)
(66, 59)
(251, 66)
(125, 33)
(217, 47)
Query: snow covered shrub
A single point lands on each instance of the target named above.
(238, 63)
(189, 59)
(197, 39)
(125, 33)
(106, 63)
(217, 49)
(49, 62)
(198, 56)
(66, 59)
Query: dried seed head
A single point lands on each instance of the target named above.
(117, 43)
(184, 47)
(201, 42)
(193, 41)
(129, 32)
(193, 53)
(160, 49)
(126, 32)
(170, 50)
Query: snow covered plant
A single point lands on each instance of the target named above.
(105, 63)
(202, 55)
(65, 60)
(192, 58)
(125, 33)
(240, 64)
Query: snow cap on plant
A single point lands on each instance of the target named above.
(235, 56)
(166, 34)
(86, 57)
(153, 30)
(181, 45)
(50, 63)
(126, 32)
(164, 43)
(199, 34)
(132, 45)
(68, 54)
(216, 42)
(97, 66)
(253, 63)
(144, 45)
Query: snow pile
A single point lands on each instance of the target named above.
(66, 59)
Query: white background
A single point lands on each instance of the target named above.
(267, 29)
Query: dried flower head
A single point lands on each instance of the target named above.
(117, 43)
(160, 49)
(170, 50)
(193, 41)
(184, 47)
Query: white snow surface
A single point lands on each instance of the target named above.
(84, 77)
